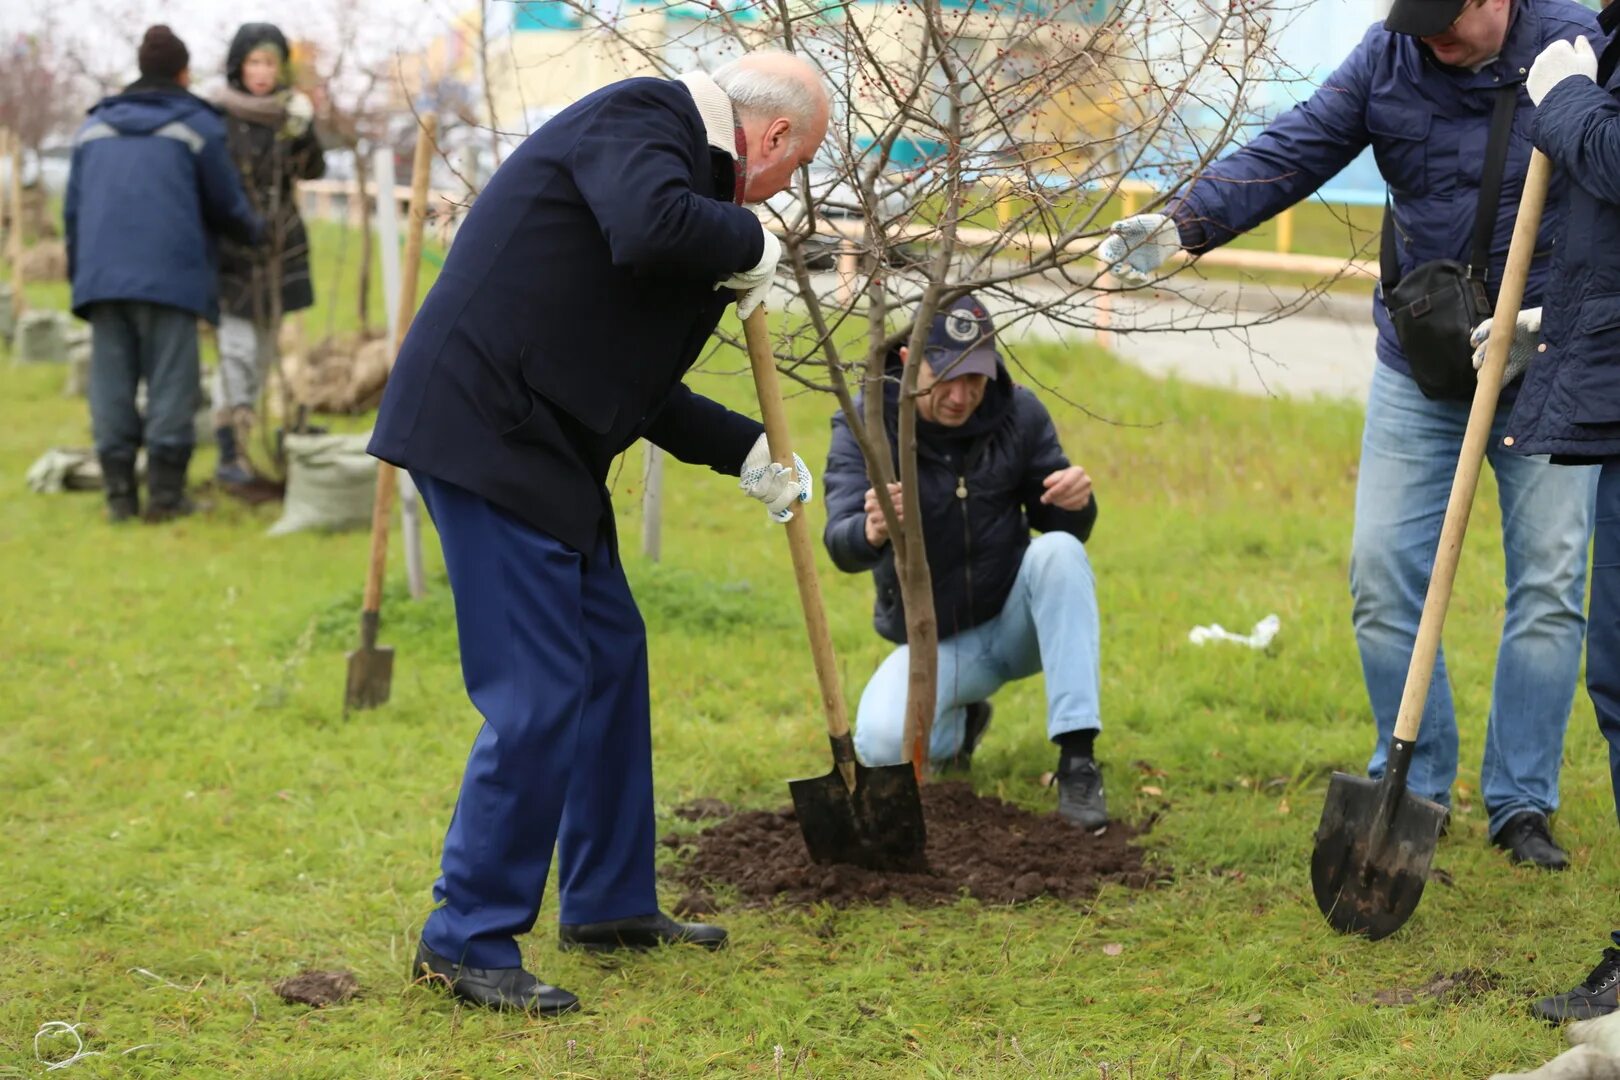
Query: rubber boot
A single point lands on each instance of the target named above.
(166, 484)
(231, 471)
(118, 481)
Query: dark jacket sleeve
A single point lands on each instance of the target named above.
(1578, 127)
(634, 168)
(70, 210)
(700, 431)
(1303, 149)
(225, 204)
(844, 486)
(1044, 457)
(308, 157)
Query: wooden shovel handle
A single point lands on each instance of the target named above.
(798, 531)
(382, 504)
(1480, 418)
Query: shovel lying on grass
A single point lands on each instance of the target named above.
(1376, 839)
(371, 666)
(868, 817)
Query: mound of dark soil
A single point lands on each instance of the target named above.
(978, 846)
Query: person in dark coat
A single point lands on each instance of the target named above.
(150, 189)
(1420, 89)
(1569, 406)
(583, 284)
(990, 469)
(271, 134)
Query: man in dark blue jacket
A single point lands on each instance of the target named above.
(1569, 406)
(1420, 90)
(151, 187)
(990, 469)
(582, 286)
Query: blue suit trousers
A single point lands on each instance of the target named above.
(554, 655)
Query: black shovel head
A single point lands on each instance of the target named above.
(878, 826)
(371, 677)
(1366, 884)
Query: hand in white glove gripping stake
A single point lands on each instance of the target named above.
(1526, 343)
(773, 484)
(755, 283)
(1559, 61)
(1137, 246)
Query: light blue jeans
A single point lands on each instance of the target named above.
(1049, 623)
(1409, 452)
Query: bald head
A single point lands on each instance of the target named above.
(784, 106)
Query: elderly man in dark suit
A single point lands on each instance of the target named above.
(582, 286)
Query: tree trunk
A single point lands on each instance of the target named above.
(916, 587)
(365, 246)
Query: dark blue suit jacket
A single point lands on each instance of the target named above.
(577, 294)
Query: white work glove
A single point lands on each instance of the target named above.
(1596, 1053)
(755, 283)
(1137, 246)
(1526, 343)
(775, 485)
(300, 115)
(1559, 61)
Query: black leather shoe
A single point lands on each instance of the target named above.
(1527, 839)
(640, 932)
(493, 988)
(1594, 997)
(1080, 793)
(973, 729)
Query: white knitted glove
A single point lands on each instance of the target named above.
(300, 115)
(1137, 246)
(1559, 61)
(775, 485)
(1526, 343)
(755, 283)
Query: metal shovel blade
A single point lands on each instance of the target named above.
(371, 676)
(878, 826)
(1372, 855)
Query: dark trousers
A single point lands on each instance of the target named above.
(132, 341)
(1603, 620)
(554, 655)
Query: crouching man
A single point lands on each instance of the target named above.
(990, 469)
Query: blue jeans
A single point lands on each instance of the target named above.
(554, 655)
(1049, 623)
(1409, 454)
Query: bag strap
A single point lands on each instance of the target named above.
(1490, 185)
(1490, 195)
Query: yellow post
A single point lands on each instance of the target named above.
(1128, 201)
(1285, 231)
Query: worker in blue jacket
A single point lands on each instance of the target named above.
(1420, 89)
(1569, 350)
(587, 277)
(151, 190)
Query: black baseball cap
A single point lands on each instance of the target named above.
(1423, 18)
(962, 341)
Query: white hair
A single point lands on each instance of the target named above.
(772, 94)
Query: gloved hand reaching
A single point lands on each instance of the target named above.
(300, 115)
(1559, 61)
(1137, 246)
(755, 283)
(1526, 343)
(775, 485)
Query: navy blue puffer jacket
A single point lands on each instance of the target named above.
(1570, 403)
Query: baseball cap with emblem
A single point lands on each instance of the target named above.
(1423, 18)
(962, 341)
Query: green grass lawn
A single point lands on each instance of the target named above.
(182, 795)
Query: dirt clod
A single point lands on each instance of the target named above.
(701, 809)
(318, 988)
(978, 846)
(1459, 985)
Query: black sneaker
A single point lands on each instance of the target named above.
(1594, 997)
(1080, 793)
(1527, 839)
(973, 729)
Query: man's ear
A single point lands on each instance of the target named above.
(184, 78)
(905, 351)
